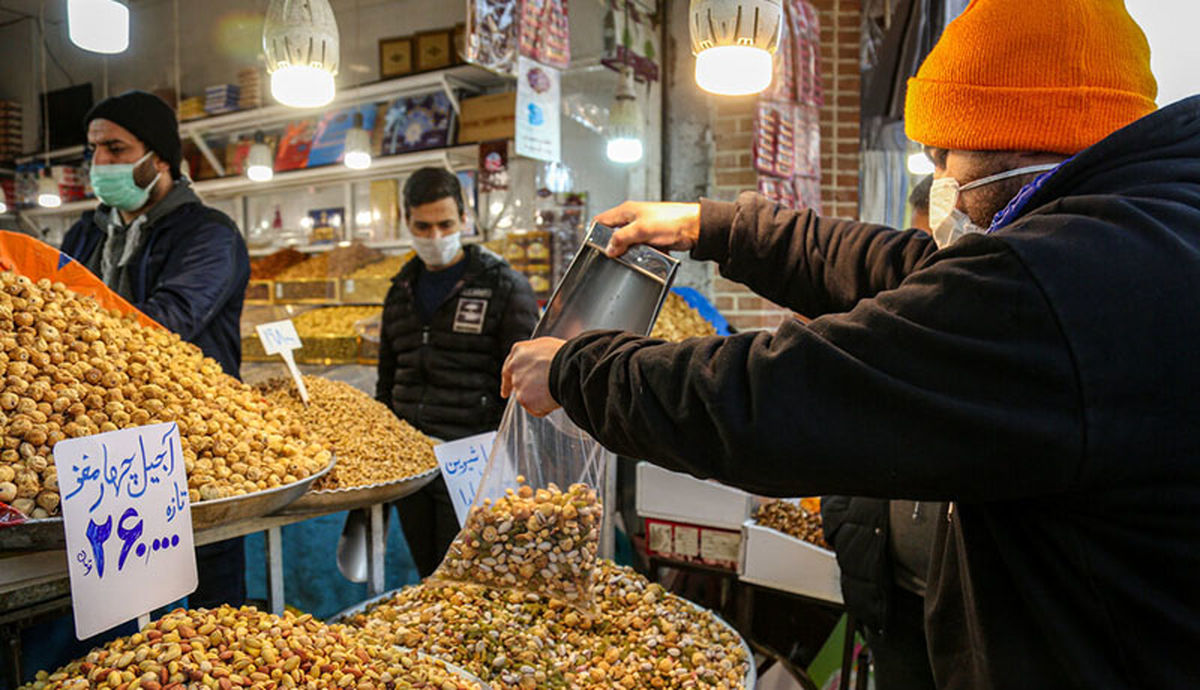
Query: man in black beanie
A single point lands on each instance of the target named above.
(183, 264)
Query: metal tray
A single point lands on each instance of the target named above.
(751, 671)
(46, 534)
(335, 500)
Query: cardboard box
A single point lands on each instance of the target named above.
(484, 118)
(773, 559)
(679, 497)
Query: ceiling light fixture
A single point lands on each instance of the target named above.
(260, 165)
(625, 129)
(300, 39)
(101, 26)
(733, 41)
(357, 155)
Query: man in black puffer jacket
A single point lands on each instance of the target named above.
(449, 320)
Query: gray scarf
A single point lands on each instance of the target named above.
(122, 244)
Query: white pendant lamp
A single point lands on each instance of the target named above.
(48, 192)
(101, 26)
(624, 131)
(919, 164)
(300, 38)
(357, 154)
(260, 164)
(733, 41)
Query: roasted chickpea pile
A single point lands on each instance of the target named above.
(385, 268)
(542, 541)
(372, 444)
(639, 637)
(226, 648)
(800, 521)
(677, 321)
(71, 368)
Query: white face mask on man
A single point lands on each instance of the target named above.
(438, 251)
(946, 222)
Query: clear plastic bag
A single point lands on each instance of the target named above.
(535, 524)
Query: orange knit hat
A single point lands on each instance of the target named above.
(1031, 75)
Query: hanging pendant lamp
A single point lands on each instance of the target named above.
(733, 41)
(300, 39)
(358, 146)
(101, 26)
(625, 129)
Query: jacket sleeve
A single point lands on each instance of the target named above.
(520, 316)
(800, 260)
(202, 272)
(387, 363)
(956, 385)
(73, 240)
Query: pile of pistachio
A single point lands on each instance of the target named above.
(639, 636)
(678, 321)
(802, 520)
(224, 648)
(543, 541)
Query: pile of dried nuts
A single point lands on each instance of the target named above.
(273, 264)
(677, 321)
(541, 541)
(335, 322)
(639, 637)
(69, 368)
(802, 521)
(316, 266)
(373, 445)
(226, 647)
(385, 268)
(345, 260)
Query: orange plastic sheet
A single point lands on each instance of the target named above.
(35, 260)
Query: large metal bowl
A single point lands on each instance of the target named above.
(336, 500)
(345, 615)
(47, 534)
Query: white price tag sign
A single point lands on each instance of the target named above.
(462, 463)
(128, 524)
(280, 338)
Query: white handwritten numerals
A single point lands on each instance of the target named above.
(128, 523)
(278, 336)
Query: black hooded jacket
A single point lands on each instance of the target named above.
(1043, 377)
(443, 376)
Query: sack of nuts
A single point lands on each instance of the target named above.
(535, 523)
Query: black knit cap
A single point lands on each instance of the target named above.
(148, 118)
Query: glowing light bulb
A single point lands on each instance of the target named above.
(733, 70)
(919, 164)
(101, 26)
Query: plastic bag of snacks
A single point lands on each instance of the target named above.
(535, 522)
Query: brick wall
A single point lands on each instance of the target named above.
(733, 124)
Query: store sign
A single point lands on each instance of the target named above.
(128, 524)
(539, 111)
(280, 338)
(462, 463)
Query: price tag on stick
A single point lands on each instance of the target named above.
(128, 524)
(280, 338)
(462, 463)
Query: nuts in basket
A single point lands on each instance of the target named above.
(372, 444)
(800, 521)
(70, 368)
(542, 541)
(225, 647)
(640, 636)
(678, 321)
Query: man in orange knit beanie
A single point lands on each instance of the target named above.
(1033, 363)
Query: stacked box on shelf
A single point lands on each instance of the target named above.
(191, 109)
(10, 130)
(249, 84)
(221, 98)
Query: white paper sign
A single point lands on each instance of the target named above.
(280, 338)
(539, 111)
(128, 524)
(462, 463)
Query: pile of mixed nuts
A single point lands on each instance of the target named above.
(801, 521)
(226, 648)
(70, 368)
(639, 636)
(542, 541)
(678, 321)
(373, 445)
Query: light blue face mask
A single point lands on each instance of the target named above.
(114, 185)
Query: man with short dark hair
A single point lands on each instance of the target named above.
(183, 264)
(449, 320)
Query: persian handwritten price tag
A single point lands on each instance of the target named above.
(280, 338)
(128, 524)
(462, 463)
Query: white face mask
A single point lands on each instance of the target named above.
(946, 222)
(438, 251)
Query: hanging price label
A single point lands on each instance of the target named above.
(462, 463)
(128, 524)
(280, 338)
